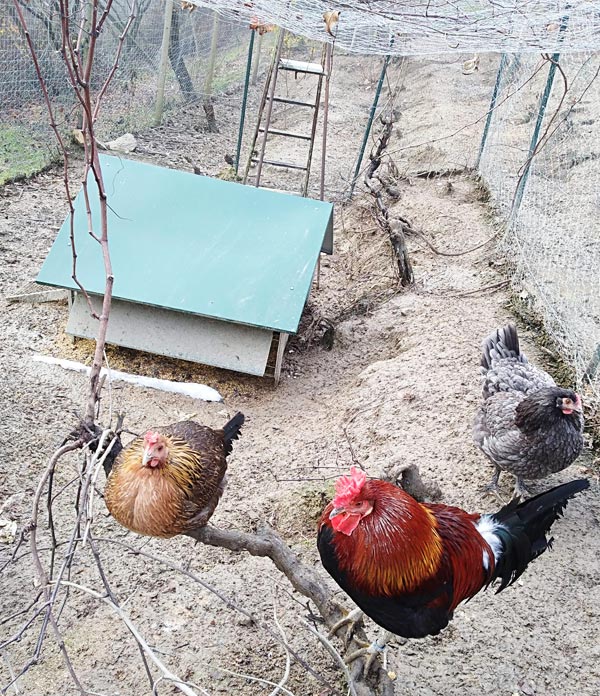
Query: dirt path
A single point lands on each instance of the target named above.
(400, 385)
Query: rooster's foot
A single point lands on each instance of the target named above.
(353, 620)
(377, 647)
(521, 490)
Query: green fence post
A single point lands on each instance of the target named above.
(534, 138)
(493, 101)
(369, 124)
(518, 198)
(244, 99)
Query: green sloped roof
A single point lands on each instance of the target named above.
(195, 244)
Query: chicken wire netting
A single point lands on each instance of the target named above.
(26, 142)
(553, 241)
(417, 27)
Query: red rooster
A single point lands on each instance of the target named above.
(408, 565)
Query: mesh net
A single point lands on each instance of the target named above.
(26, 142)
(430, 26)
(553, 241)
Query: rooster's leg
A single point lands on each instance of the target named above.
(521, 490)
(377, 647)
(353, 620)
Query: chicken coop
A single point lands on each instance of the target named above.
(205, 270)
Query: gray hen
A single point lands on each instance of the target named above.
(526, 424)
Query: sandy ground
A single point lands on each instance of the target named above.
(400, 385)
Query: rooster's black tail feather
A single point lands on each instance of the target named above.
(524, 528)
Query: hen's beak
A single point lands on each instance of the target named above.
(146, 457)
(335, 512)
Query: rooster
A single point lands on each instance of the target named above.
(170, 481)
(408, 565)
(526, 424)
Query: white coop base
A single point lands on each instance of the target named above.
(180, 335)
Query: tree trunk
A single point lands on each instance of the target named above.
(177, 62)
(208, 83)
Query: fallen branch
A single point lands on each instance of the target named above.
(394, 229)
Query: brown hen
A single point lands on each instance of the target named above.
(170, 481)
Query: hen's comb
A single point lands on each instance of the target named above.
(348, 487)
(151, 438)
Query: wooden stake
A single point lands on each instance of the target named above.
(164, 61)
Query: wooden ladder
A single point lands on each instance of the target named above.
(263, 127)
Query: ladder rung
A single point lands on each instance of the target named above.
(292, 101)
(287, 134)
(288, 165)
(301, 66)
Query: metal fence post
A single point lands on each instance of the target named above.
(535, 137)
(494, 99)
(244, 99)
(518, 197)
(369, 124)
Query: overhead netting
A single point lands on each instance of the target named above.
(430, 26)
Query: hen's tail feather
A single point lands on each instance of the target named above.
(524, 528)
(115, 450)
(503, 343)
(231, 431)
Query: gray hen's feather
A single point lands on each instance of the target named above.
(519, 425)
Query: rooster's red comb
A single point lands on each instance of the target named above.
(348, 487)
(151, 438)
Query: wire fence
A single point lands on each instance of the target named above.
(540, 156)
(200, 44)
(550, 119)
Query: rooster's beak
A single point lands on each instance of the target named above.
(335, 512)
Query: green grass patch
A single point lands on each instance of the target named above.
(21, 154)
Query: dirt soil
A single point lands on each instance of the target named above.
(399, 386)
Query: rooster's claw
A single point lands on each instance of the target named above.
(377, 647)
(353, 620)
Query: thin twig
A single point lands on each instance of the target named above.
(288, 661)
(178, 683)
(328, 645)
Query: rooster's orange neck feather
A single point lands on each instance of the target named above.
(383, 556)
